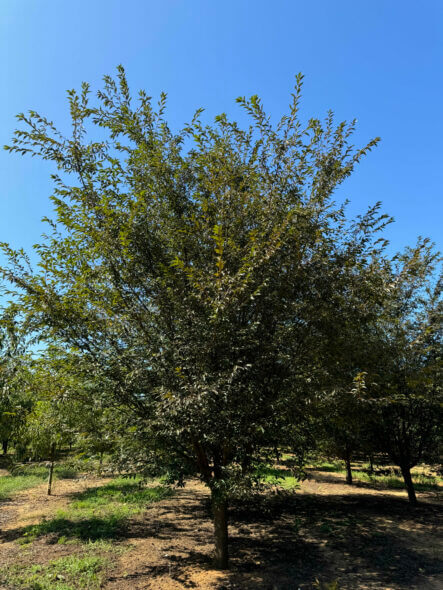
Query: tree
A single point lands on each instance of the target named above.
(357, 295)
(403, 383)
(51, 423)
(14, 362)
(100, 424)
(191, 268)
(341, 427)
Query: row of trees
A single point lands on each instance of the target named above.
(395, 404)
(205, 283)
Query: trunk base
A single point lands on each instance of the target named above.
(406, 472)
(51, 469)
(220, 511)
(348, 472)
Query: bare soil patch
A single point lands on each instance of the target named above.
(327, 531)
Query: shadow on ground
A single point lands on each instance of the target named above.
(360, 540)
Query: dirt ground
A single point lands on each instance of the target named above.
(328, 531)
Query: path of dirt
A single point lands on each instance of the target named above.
(364, 538)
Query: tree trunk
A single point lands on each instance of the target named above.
(348, 468)
(100, 464)
(371, 464)
(220, 511)
(5, 446)
(51, 468)
(406, 472)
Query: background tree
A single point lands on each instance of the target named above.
(403, 385)
(51, 423)
(14, 366)
(356, 296)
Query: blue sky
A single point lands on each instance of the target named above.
(378, 61)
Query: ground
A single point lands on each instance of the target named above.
(327, 535)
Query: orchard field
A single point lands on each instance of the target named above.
(119, 533)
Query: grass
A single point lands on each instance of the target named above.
(279, 477)
(24, 477)
(73, 572)
(332, 466)
(98, 513)
(10, 484)
(422, 482)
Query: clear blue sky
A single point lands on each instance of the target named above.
(379, 61)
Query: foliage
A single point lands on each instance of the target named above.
(69, 407)
(280, 478)
(63, 470)
(14, 368)
(200, 268)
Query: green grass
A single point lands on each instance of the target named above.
(24, 477)
(278, 477)
(332, 466)
(98, 513)
(74, 572)
(10, 484)
(422, 482)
